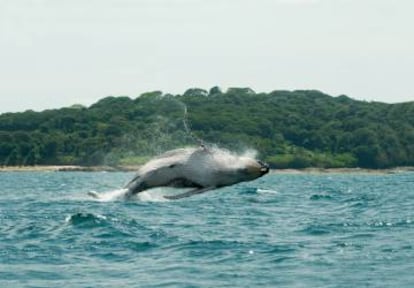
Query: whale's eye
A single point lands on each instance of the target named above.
(172, 165)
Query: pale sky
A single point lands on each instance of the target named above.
(56, 53)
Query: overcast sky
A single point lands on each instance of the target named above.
(56, 53)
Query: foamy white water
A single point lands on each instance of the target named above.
(113, 195)
(152, 195)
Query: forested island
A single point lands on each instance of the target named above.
(289, 129)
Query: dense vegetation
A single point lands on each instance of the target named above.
(289, 129)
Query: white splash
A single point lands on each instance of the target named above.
(152, 195)
(249, 153)
(266, 191)
(109, 195)
(226, 158)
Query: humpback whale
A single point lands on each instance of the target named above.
(200, 168)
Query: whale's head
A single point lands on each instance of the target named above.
(232, 169)
(252, 169)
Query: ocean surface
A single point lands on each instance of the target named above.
(282, 230)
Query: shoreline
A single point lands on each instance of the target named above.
(67, 168)
(132, 168)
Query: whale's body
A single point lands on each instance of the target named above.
(199, 168)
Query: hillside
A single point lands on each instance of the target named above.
(289, 129)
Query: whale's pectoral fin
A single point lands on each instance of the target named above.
(189, 193)
(130, 183)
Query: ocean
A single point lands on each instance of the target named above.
(281, 230)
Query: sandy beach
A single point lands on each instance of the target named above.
(65, 168)
(71, 168)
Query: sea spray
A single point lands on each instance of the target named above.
(162, 132)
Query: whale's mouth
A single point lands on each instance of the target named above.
(264, 169)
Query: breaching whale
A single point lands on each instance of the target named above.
(199, 168)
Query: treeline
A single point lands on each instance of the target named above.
(289, 129)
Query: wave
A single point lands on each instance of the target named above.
(86, 219)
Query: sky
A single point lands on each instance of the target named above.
(56, 53)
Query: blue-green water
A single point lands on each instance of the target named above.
(297, 230)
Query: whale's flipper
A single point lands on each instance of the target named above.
(94, 194)
(136, 177)
(189, 193)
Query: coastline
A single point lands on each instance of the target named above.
(67, 168)
(133, 168)
(316, 170)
